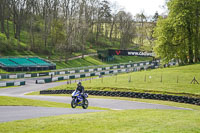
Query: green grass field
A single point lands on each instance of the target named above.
(126, 121)
(93, 60)
(14, 101)
(174, 80)
(87, 61)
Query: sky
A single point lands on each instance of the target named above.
(137, 6)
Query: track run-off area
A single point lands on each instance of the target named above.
(11, 113)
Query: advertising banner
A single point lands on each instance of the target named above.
(112, 52)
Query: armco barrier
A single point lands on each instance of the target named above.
(76, 76)
(180, 99)
(89, 74)
(151, 64)
(14, 83)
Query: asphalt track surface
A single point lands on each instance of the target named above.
(10, 113)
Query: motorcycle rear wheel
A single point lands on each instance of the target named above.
(73, 104)
(85, 104)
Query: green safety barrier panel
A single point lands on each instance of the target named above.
(22, 83)
(10, 84)
(87, 70)
(67, 72)
(57, 73)
(72, 77)
(110, 71)
(60, 78)
(102, 73)
(92, 74)
(48, 80)
(82, 75)
(20, 75)
(34, 75)
(4, 76)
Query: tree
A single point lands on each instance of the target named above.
(141, 19)
(103, 16)
(5, 16)
(126, 28)
(19, 15)
(113, 20)
(183, 22)
(165, 48)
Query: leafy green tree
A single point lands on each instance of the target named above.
(177, 35)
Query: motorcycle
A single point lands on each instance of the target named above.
(77, 100)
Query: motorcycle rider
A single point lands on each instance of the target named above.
(80, 88)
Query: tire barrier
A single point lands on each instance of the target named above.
(15, 83)
(136, 66)
(180, 99)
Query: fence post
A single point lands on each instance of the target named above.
(177, 79)
(129, 79)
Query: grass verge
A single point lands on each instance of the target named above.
(126, 121)
(15, 101)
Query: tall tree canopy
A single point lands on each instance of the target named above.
(177, 36)
(63, 27)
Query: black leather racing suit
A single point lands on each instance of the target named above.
(81, 90)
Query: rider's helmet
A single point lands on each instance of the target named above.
(79, 84)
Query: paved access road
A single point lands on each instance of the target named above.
(10, 113)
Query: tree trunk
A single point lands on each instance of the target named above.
(97, 33)
(2, 7)
(14, 23)
(111, 29)
(45, 32)
(106, 30)
(196, 45)
(7, 31)
(190, 45)
(32, 39)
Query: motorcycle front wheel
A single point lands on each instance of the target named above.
(73, 103)
(85, 104)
